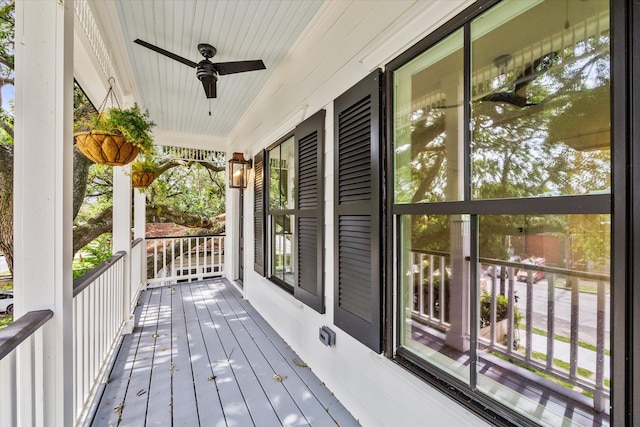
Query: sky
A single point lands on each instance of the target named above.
(7, 95)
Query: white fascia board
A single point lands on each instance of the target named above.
(106, 15)
(86, 68)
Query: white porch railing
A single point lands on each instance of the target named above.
(538, 347)
(18, 343)
(98, 318)
(184, 259)
(100, 314)
(429, 297)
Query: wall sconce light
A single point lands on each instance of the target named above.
(238, 171)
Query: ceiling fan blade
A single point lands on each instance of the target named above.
(209, 86)
(239, 66)
(165, 53)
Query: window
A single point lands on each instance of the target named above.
(502, 175)
(295, 204)
(282, 171)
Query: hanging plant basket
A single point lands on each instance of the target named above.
(142, 179)
(105, 148)
(117, 135)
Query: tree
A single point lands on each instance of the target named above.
(92, 190)
(7, 24)
(537, 130)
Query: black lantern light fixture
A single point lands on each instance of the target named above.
(238, 171)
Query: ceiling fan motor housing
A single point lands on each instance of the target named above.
(206, 71)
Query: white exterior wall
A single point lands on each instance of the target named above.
(355, 39)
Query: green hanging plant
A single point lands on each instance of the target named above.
(132, 123)
(115, 136)
(143, 172)
(145, 165)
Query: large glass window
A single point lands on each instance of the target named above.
(282, 187)
(506, 292)
(432, 304)
(429, 125)
(545, 310)
(540, 88)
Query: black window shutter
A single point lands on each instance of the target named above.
(258, 213)
(357, 210)
(309, 143)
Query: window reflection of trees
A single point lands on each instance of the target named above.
(552, 136)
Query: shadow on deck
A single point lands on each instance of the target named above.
(201, 355)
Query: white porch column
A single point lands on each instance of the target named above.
(139, 214)
(458, 333)
(139, 231)
(43, 203)
(122, 230)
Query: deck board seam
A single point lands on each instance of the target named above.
(176, 336)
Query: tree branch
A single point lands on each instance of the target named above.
(81, 165)
(169, 214)
(210, 166)
(85, 233)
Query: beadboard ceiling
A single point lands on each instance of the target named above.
(238, 29)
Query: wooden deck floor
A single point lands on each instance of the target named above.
(200, 355)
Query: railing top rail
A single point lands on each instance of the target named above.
(429, 252)
(83, 282)
(185, 237)
(21, 329)
(136, 242)
(546, 269)
(526, 266)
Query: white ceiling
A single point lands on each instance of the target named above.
(239, 29)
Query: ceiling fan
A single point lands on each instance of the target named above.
(207, 71)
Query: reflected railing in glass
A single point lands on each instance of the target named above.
(550, 320)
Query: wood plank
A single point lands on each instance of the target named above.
(314, 411)
(209, 407)
(134, 406)
(185, 410)
(120, 375)
(328, 401)
(236, 412)
(271, 381)
(201, 355)
(159, 406)
(260, 407)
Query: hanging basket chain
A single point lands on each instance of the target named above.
(104, 147)
(111, 94)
